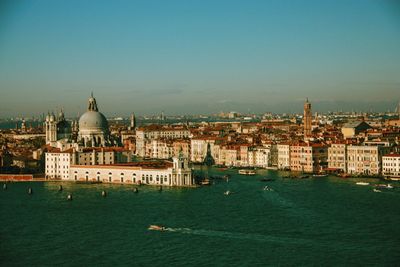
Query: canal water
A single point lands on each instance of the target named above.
(318, 221)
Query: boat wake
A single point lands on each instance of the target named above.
(275, 198)
(252, 237)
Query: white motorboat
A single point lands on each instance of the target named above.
(362, 183)
(227, 192)
(387, 186)
(153, 227)
(377, 190)
(247, 172)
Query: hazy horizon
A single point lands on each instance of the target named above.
(198, 57)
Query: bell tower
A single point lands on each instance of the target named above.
(307, 119)
(51, 128)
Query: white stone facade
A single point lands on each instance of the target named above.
(57, 164)
(176, 174)
(391, 166)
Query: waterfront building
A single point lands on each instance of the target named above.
(259, 157)
(309, 158)
(57, 162)
(283, 156)
(337, 157)
(307, 120)
(198, 148)
(243, 155)
(365, 159)
(228, 155)
(162, 173)
(144, 136)
(391, 166)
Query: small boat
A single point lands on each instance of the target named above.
(4, 186)
(69, 197)
(135, 190)
(267, 180)
(156, 228)
(30, 191)
(227, 192)
(320, 175)
(304, 176)
(388, 186)
(103, 193)
(60, 188)
(362, 183)
(377, 190)
(205, 182)
(247, 172)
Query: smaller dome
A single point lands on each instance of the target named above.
(63, 127)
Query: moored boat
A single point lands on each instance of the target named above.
(247, 172)
(362, 183)
(205, 182)
(388, 186)
(320, 175)
(265, 179)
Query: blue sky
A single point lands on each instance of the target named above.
(198, 56)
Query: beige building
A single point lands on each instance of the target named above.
(145, 135)
(352, 129)
(283, 156)
(364, 159)
(337, 157)
(391, 166)
(198, 148)
(309, 158)
(162, 173)
(259, 157)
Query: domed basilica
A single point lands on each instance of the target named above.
(93, 126)
(91, 131)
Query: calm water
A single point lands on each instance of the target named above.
(318, 221)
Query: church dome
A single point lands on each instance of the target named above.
(93, 120)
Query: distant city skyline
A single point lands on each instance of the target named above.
(188, 57)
